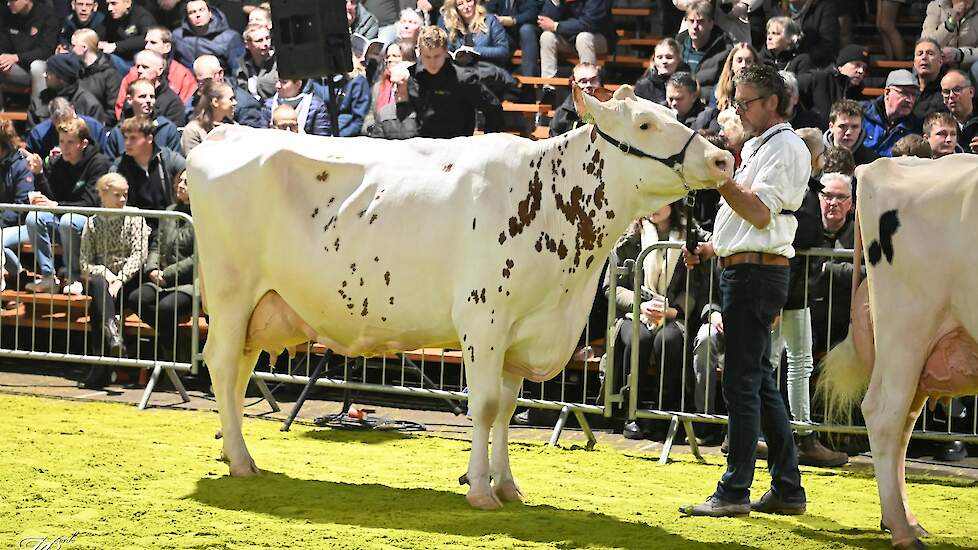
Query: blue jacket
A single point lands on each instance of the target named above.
(880, 135)
(354, 103)
(492, 46)
(70, 25)
(219, 40)
(18, 181)
(44, 137)
(165, 135)
(525, 11)
(592, 16)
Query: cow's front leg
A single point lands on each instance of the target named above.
(504, 485)
(483, 369)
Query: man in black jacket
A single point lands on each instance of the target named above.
(125, 32)
(583, 27)
(28, 35)
(586, 77)
(819, 90)
(445, 98)
(61, 76)
(705, 45)
(682, 96)
(68, 180)
(149, 169)
(150, 66)
(959, 98)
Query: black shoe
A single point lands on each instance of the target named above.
(633, 431)
(521, 419)
(953, 451)
(771, 503)
(98, 377)
(716, 508)
(548, 95)
(114, 344)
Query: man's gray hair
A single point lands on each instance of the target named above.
(150, 56)
(766, 80)
(790, 81)
(61, 110)
(833, 176)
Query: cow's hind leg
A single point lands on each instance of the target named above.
(483, 369)
(915, 409)
(230, 369)
(505, 486)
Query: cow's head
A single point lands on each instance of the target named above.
(666, 157)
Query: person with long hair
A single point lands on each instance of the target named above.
(666, 60)
(215, 106)
(469, 25)
(384, 92)
(17, 183)
(740, 56)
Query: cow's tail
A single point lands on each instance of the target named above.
(842, 382)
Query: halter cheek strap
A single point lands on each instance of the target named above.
(674, 162)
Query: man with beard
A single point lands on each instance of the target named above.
(890, 117)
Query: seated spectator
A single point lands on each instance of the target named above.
(386, 12)
(176, 76)
(313, 116)
(61, 76)
(284, 117)
(846, 131)
(798, 116)
(839, 159)
(781, 47)
(519, 19)
(257, 69)
(124, 32)
(397, 120)
(67, 180)
(587, 29)
(361, 21)
(84, 15)
(469, 26)
(664, 294)
(43, 138)
(705, 45)
(18, 183)
(666, 60)
(150, 66)
(819, 21)
(141, 98)
(740, 56)
(585, 76)
(113, 250)
(384, 91)
(959, 98)
(167, 13)
(27, 38)
(215, 106)
(167, 294)
(409, 25)
(149, 168)
(820, 89)
(929, 66)
(683, 97)
(260, 16)
(953, 24)
(889, 118)
(730, 15)
(354, 98)
(831, 279)
(443, 97)
(248, 109)
(206, 32)
(97, 74)
(912, 145)
(941, 133)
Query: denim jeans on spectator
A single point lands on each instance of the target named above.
(794, 333)
(708, 349)
(40, 227)
(12, 237)
(529, 43)
(751, 296)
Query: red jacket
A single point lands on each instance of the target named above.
(178, 77)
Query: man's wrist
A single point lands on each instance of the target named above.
(556, 23)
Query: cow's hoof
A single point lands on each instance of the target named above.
(918, 529)
(218, 434)
(483, 500)
(247, 469)
(914, 544)
(508, 491)
(224, 458)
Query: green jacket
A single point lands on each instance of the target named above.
(171, 250)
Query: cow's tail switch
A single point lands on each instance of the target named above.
(843, 382)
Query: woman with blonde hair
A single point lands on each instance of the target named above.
(666, 60)
(470, 26)
(740, 56)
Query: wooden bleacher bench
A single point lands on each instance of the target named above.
(891, 64)
(873, 92)
(631, 12)
(15, 116)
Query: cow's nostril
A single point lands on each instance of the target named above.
(721, 164)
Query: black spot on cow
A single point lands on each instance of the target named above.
(473, 224)
(387, 278)
(341, 293)
(361, 281)
(874, 252)
(331, 201)
(363, 312)
(376, 258)
(349, 306)
(322, 176)
(465, 337)
(889, 223)
(336, 245)
(563, 172)
(353, 268)
(471, 352)
(507, 293)
(329, 224)
(500, 290)
(315, 212)
(361, 213)
(610, 214)
(447, 167)
(373, 218)
(343, 284)
(384, 319)
(482, 295)
(391, 300)
(531, 166)
(492, 348)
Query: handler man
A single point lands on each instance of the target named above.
(752, 238)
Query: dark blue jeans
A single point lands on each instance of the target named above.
(751, 297)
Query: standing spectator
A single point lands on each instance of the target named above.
(886, 17)
(409, 25)
(519, 19)
(67, 180)
(798, 116)
(361, 21)
(141, 98)
(705, 45)
(890, 117)
(27, 38)
(149, 66)
(215, 106)
(124, 32)
(959, 98)
(312, 114)
(113, 249)
(666, 60)
(470, 26)
(248, 109)
(682, 96)
(206, 32)
(585, 76)
(84, 15)
(820, 89)
(386, 12)
(781, 47)
(151, 170)
(819, 22)
(97, 74)
(62, 81)
(754, 254)
(445, 98)
(846, 131)
(941, 133)
(587, 30)
(257, 69)
(176, 76)
(16, 184)
(740, 56)
(929, 66)
(44, 137)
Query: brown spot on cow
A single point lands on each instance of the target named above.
(502, 237)
(373, 218)
(322, 176)
(387, 278)
(363, 312)
(610, 214)
(561, 250)
(527, 209)
(447, 167)
(590, 259)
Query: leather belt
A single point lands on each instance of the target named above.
(758, 258)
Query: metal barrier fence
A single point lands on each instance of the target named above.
(686, 416)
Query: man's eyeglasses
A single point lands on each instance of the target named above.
(948, 92)
(593, 81)
(832, 197)
(741, 106)
(290, 126)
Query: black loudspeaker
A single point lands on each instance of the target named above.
(311, 38)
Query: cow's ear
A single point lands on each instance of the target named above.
(624, 92)
(581, 101)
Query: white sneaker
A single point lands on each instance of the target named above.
(74, 288)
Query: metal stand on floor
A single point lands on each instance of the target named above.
(155, 377)
(581, 420)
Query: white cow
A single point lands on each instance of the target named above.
(490, 244)
(918, 219)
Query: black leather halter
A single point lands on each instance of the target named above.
(675, 162)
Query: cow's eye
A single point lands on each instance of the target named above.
(644, 126)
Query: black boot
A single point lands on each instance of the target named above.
(114, 345)
(98, 377)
